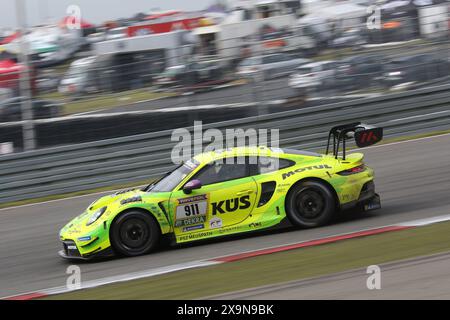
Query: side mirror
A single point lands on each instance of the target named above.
(192, 185)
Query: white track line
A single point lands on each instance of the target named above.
(123, 278)
(207, 262)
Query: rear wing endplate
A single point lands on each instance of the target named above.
(364, 135)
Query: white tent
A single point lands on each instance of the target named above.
(339, 11)
(346, 15)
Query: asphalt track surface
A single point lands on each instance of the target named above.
(412, 177)
(418, 278)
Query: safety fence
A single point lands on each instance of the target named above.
(135, 158)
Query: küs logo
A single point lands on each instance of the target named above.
(230, 205)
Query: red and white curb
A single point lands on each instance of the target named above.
(231, 258)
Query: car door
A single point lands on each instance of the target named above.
(226, 198)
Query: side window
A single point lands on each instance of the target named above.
(268, 164)
(220, 171)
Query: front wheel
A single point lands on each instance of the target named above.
(310, 204)
(134, 233)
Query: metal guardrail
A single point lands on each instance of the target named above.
(135, 158)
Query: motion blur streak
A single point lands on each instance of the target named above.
(412, 177)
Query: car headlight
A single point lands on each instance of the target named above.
(97, 214)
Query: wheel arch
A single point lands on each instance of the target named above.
(316, 179)
(151, 214)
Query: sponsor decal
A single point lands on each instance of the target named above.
(190, 221)
(299, 170)
(131, 200)
(87, 238)
(193, 236)
(230, 205)
(191, 210)
(190, 164)
(215, 223)
(193, 199)
(230, 229)
(192, 228)
(255, 225)
(74, 231)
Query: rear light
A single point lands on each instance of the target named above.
(353, 170)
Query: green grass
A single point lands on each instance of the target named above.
(51, 96)
(279, 267)
(105, 101)
(109, 101)
(113, 101)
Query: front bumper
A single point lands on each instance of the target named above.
(70, 252)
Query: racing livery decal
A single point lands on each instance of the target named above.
(299, 170)
(231, 205)
(309, 193)
(191, 210)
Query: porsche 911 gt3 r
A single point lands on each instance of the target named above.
(227, 192)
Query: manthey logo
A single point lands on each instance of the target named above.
(189, 144)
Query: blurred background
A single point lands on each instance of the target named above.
(161, 69)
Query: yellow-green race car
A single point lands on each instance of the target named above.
(226, 192)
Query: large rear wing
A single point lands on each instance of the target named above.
(363, 134)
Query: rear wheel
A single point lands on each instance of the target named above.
(310, 204)
(134, 233)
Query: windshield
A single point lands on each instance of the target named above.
(172, 179)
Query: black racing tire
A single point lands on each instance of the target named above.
(134, 233)
(310, 204)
